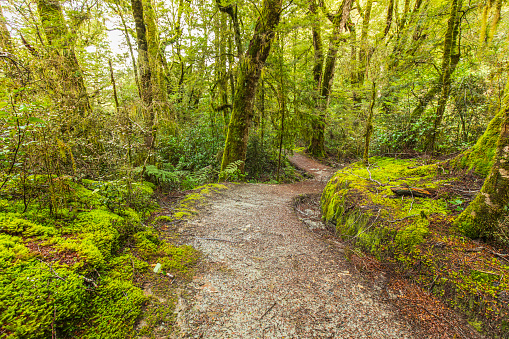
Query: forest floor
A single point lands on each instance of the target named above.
(270, 269)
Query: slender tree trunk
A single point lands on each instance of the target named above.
(363, 50)
(128, 41)
(484, 24)
(496, 19)
(249, 70)
(388, 20)
(61, 42)
(113, 83)
(369, 126)
(446, 69)
(145, 74)
(158, 80)
(317, 144)
(481, 218)
(231, 10)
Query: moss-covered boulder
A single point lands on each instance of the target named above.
(418, 236)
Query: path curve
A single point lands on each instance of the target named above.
(266, 275)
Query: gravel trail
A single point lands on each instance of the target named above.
(266, 275)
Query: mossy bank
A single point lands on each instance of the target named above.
(74, 267)
(418, 235)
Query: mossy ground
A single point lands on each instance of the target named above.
(417, 234)
(76, 266)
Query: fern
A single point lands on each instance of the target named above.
(160, 177)
(232, 170)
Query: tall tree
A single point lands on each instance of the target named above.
(158, 78)
(145, 73)
(339, 21)
(448, 66)
(249, 70)
(62, 54)
(482, 216)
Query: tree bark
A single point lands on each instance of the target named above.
(495, 21)
(369, 126)
(249, 70)
(145, 74)
(481, 218)
(363, 51)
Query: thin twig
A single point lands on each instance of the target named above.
(268, 310)
(216, 239)
(413, 199)
(408, 216)
(371, 179)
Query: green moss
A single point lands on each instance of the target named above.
(481, 156)
(361, 207)
(412, 235)
(163, 219)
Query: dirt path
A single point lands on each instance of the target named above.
(266, 275)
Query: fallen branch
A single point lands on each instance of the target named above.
(408, 216)
(479, 249)
(217, 239)
(268, 310)
(411, 191)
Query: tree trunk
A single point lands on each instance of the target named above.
(160, 103)
(369, 127)
(145, 74)
(363, 51)
(447, 69)
(69, 73)
(495, 21)
(231, 10)
(249, 70)
(482, 216)
(128, 41)
(317, 144)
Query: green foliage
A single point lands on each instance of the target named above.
(73, 272)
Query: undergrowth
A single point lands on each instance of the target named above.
(73, 267)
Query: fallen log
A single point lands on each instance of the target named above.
(412, 192)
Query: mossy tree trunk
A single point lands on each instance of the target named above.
(363, 50)
(447, 68)
(69, 73)
(231, 10)
(339, 20)
(145, 74)
(482, 216)
(160, 104)
(494, 22)
(248, 74)
(369, 126)
(316, 146)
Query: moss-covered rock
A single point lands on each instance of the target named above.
(418, 235)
